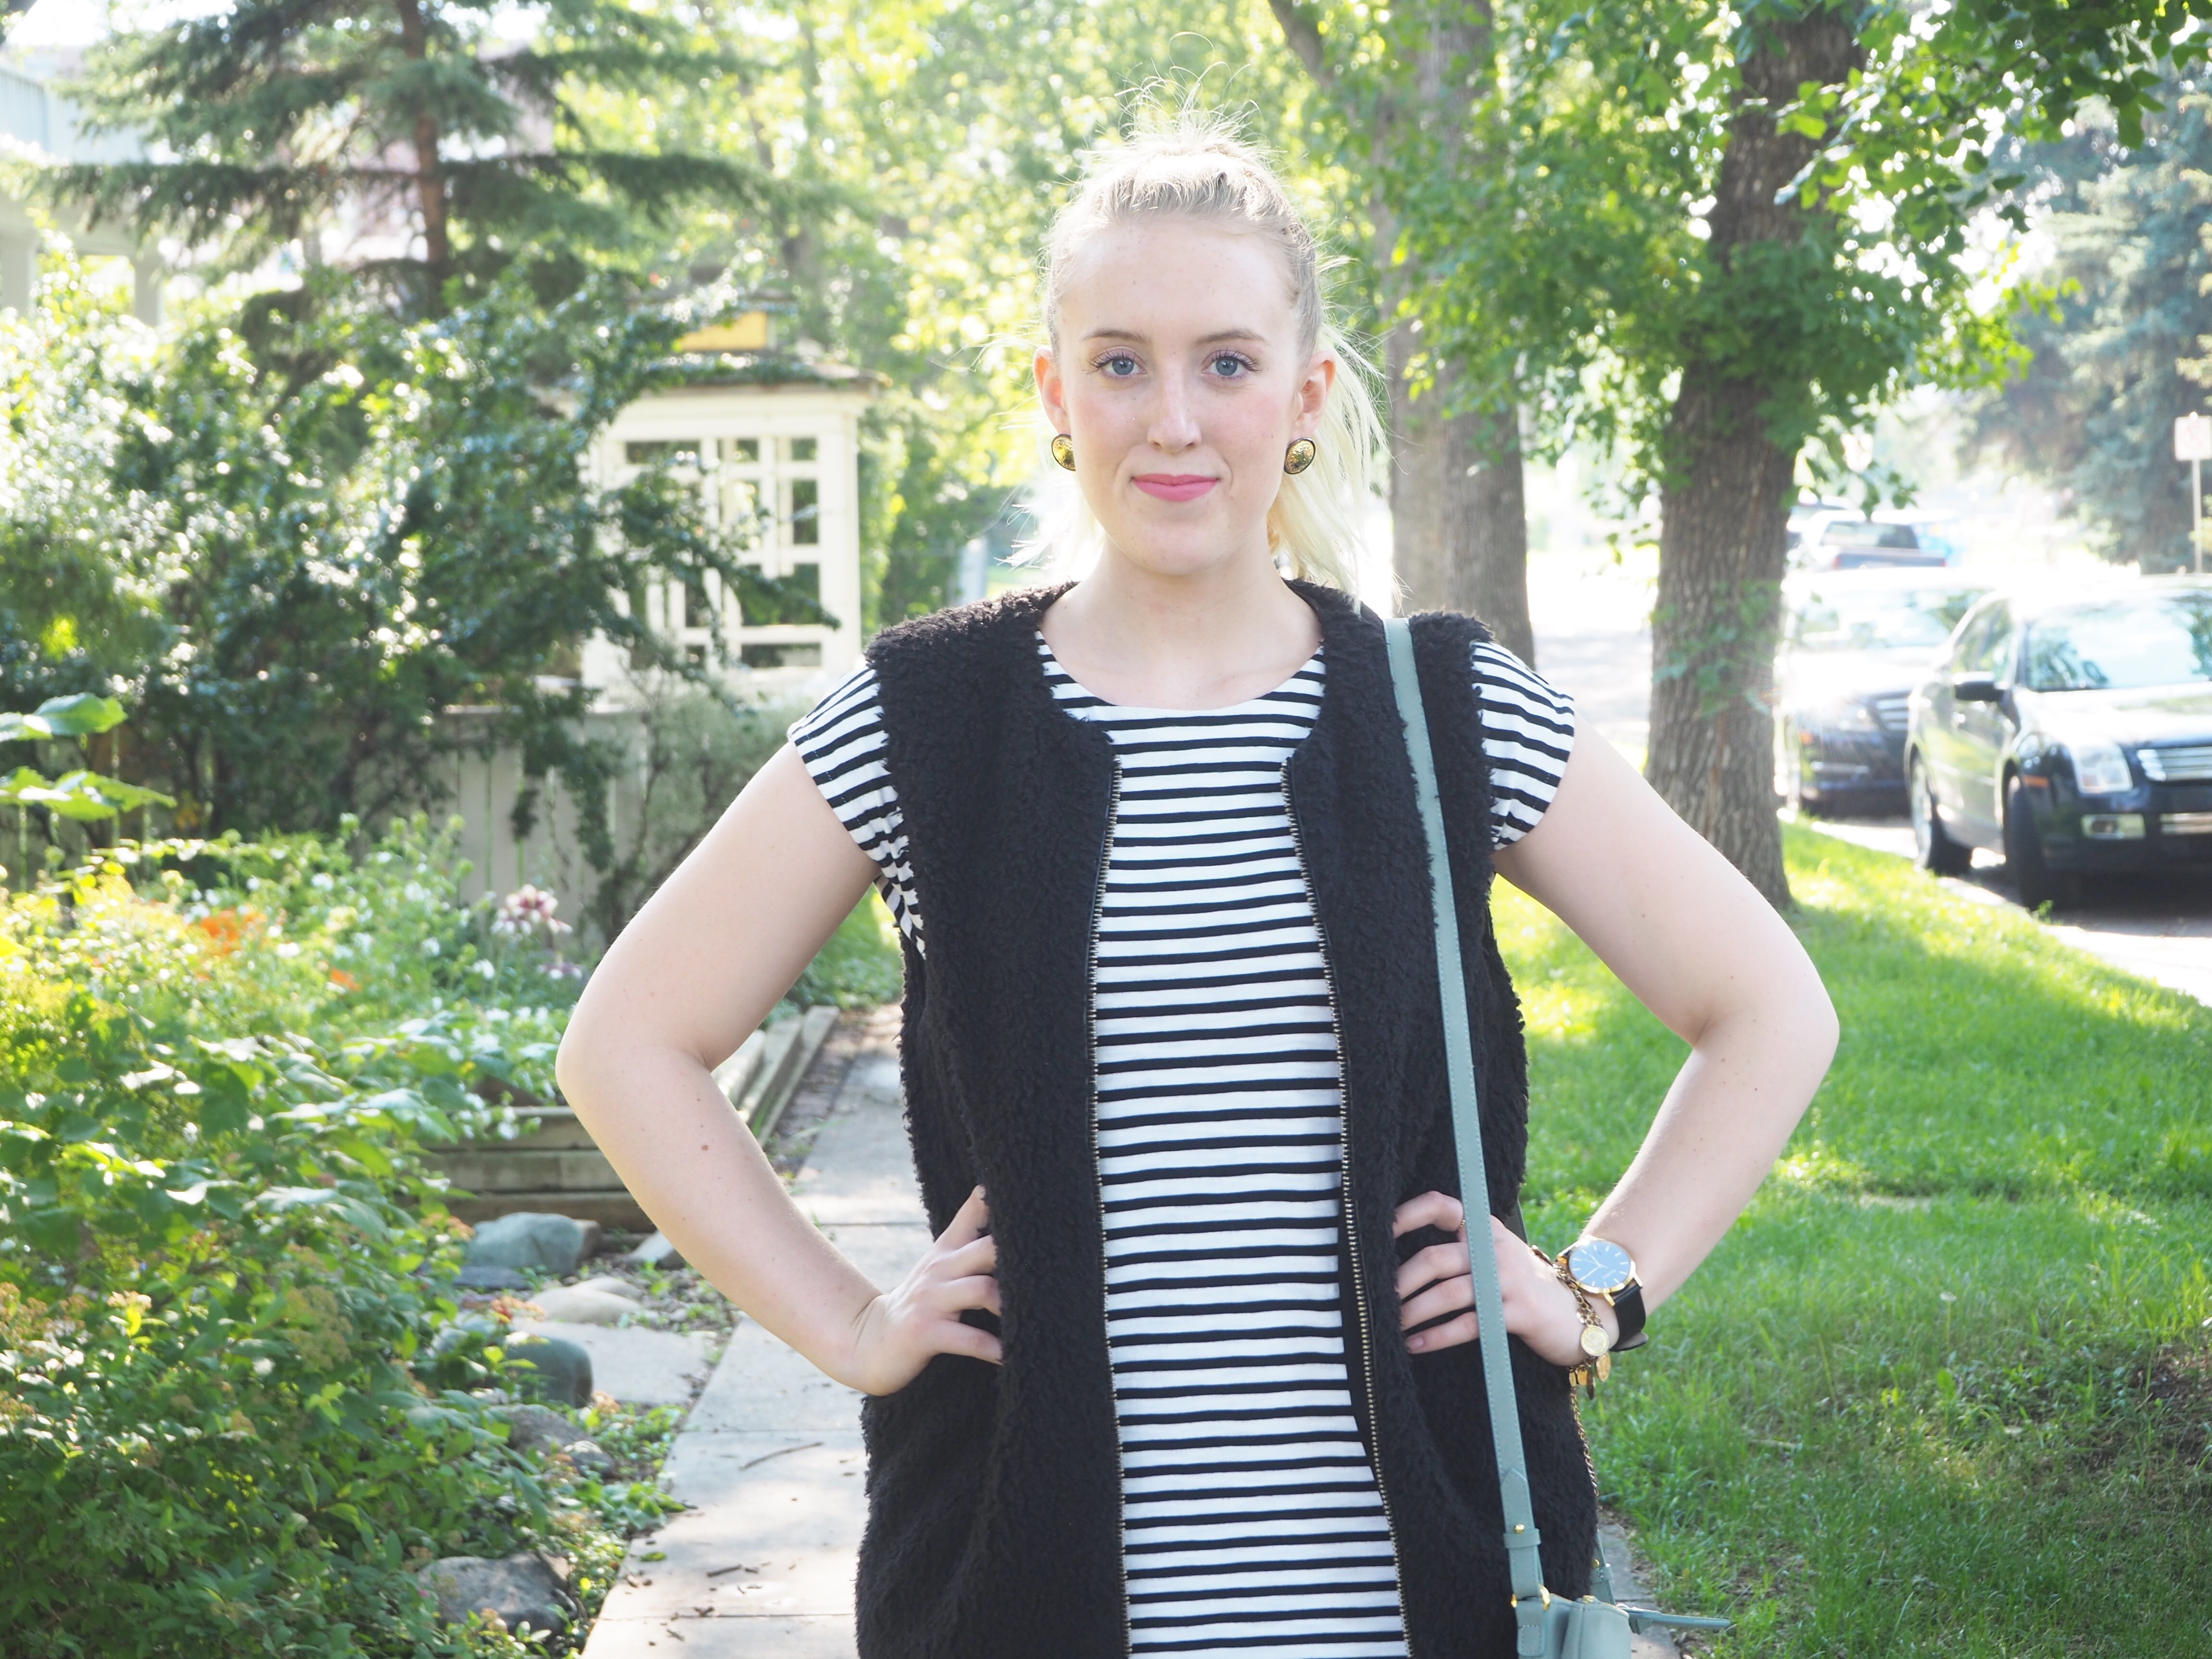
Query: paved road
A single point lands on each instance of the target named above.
(2158, 927)
(1592, 637)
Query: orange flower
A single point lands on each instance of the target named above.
(345, 980)
(224, 929)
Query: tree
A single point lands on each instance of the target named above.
(2092, 413)
(1728, 235)
(939, 136)
(331, 523)
(1406, 87)
(274, 122)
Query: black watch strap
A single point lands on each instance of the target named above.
(1628, 1307)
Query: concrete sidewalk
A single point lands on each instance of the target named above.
(760, 1564)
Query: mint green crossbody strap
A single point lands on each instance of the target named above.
(1521, 1539)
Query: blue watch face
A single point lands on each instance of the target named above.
(1600, 1265)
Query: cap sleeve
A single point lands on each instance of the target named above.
(841, 744)
(1528, 730)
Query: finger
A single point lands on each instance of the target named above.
(967, 1224)
(980, 1257)
(955, 1338)
(1438, 1210)
(979, 1291)
(1463, 1329)
(1425, 1267)
(1453, 1296)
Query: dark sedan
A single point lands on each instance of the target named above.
(2073, 735)
(1855, 643)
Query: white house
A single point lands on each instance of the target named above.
(771, 439)
(38, 125)
(772, 442)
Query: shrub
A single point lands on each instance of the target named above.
(224, 1265)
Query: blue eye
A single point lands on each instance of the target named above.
(1228, 366)
(1119, 367)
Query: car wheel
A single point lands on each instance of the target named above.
(1932, 850)
(2024, 861)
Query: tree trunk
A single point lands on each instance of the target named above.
(1459, 522)
(1725, 501)
(429, 173)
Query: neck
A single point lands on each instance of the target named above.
(1204, 640)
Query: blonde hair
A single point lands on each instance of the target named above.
(1196, 167)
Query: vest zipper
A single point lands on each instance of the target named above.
(1098, 1185)
(1365, 1330)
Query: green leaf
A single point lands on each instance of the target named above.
(81, 716)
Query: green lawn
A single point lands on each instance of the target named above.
(1947, 1388)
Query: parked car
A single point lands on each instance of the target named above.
(1854, 644)
(2073, 734)
(1845, 540)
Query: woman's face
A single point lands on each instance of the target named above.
(1178, 376)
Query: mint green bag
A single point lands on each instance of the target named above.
(1550, 1627)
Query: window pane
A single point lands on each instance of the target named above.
(780, 656)
(2124, 643)
(741, 508)
(697, 613)
(806, 512)
(741, 449)
(1894, 619)
(1988, 657)
(802, 449)
(807, 578)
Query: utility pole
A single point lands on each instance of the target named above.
(2192, 442)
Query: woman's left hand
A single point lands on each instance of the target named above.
(1436, 1281)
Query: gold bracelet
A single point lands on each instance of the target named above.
(1597, 1346)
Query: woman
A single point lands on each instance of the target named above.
(1190, 1367)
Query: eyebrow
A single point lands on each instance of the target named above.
(1219, 336)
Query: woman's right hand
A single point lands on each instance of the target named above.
(904, 1328)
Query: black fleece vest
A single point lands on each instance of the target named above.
(994, 1491)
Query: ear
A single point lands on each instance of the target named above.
(1052, 389)
(1313, 395)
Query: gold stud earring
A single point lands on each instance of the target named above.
(1063, 450)
(1300, 456)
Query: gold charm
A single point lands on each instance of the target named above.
(1063, 450)
(1300, 456)
(1595, 1342)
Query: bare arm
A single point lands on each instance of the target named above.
(697, 968)
(1699, 948)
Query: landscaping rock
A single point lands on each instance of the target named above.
(490, 1279)
(636, 1366)
(579, 1304)
(520, 1589)
(536, 1428)
(656, 1252)
(588, 1456)
(562, 1369)
(612, 1287)
(532, 1238)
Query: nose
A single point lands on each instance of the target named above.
(1173, 427)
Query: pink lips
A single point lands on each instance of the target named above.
(1174, 486)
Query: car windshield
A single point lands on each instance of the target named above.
(2147, 639)
(1885, 619)
(1846, 533)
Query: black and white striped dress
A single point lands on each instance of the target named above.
(1251, 1520)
